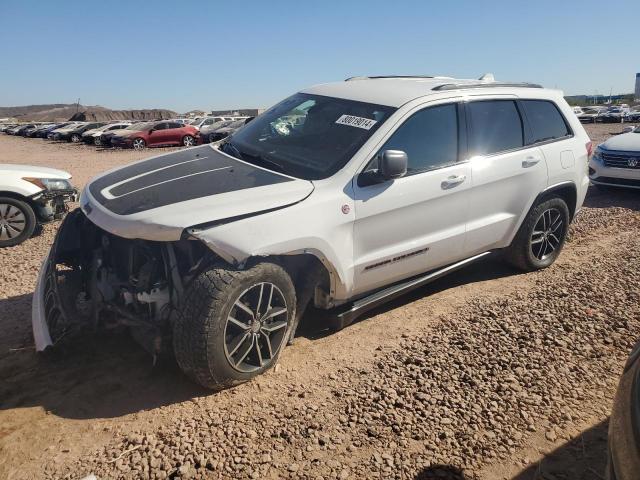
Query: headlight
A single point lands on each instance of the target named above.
(50, 183)
(597, 155)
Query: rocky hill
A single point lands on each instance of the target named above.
(62, 112)
(99, 114)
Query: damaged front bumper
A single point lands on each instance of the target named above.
(41, 334)
(53, 204)
(94, 280)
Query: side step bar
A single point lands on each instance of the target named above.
(346, 316)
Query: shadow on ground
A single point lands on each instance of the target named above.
(582, 458)
(314, 324)
(443, 472)
(110, 375)
(612, 197)
(96, 377)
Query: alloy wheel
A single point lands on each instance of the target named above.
(547, 234)
(256, 327)
(188, 141)
(12, 221)
(138, 144)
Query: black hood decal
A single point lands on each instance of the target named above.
(177, 177)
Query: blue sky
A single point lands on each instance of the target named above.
(185, 54)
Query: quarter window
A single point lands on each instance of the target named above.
(495, 126)
(429, 138)
(546, 122)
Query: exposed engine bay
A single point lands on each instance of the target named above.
(96, 280)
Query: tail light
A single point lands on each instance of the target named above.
(589, 147)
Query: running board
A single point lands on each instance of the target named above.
(358, 307)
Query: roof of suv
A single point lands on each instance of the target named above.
(395, 91)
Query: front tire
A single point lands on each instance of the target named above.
(139, 144)
(233, 325)
(17, 221)
(541, 236)
(75, 138)
(188, 141)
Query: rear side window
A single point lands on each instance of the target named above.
(495, 126)
(545, 120)
(429, 138)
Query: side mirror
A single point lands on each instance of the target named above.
(393, 164)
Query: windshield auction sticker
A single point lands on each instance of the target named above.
(359, 122)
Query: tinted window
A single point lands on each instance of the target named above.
(160, 126)
(429, 138)
(545, 120)
(495, 126)
(174, 125)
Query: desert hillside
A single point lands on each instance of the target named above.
(63, 112)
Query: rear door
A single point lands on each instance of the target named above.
(415, 223)
(174, 133)
(507, 174)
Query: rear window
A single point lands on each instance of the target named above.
(545, 120)
(495, 126)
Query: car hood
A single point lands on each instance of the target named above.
(157, 199)
(32, 171)
(629, 142)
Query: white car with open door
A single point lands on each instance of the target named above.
(380, 185)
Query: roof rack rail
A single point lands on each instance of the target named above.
(376, 77)
(458, 86)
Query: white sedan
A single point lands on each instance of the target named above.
(30, 196)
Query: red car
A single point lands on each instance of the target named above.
(156, 134)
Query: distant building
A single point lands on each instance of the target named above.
(637, 87)
(241, 112)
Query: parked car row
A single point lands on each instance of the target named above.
(133, 134)
(611, 114)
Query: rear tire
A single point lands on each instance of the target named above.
(541, 236)
(17, 221)
(233, 325)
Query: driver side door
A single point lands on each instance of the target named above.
(416, 223)
(159, 135)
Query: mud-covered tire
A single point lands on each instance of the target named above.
(522, 253)
(14, 209)
(200, 335)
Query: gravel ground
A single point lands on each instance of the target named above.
(488, 374)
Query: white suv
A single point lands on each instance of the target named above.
(380, 185)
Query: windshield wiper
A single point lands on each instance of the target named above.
(247, 157)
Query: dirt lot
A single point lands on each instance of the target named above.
(488, 374)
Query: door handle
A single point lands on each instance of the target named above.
(530, 162)
(453, 181)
